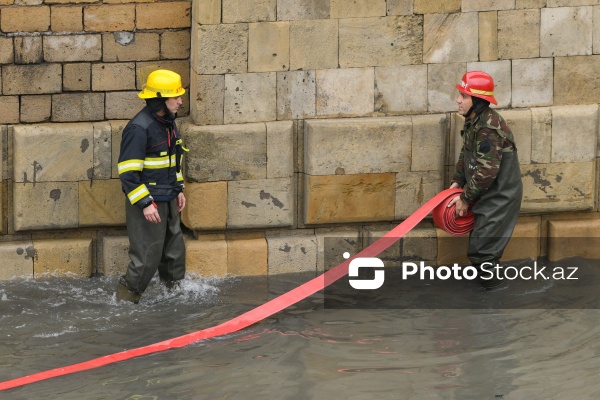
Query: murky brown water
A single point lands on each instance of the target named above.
(305, 352)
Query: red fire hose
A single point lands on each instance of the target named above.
(443, 217)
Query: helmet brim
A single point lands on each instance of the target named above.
(489, 98)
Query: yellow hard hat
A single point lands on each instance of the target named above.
(162, 83)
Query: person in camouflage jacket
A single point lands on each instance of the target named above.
(488, 171)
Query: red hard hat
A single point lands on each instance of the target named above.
(478, 84)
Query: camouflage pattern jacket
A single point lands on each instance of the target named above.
(485, 137)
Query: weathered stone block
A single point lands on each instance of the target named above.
(260, 203)
(206, 206)
(130, 46)
(451, 249)
(207, 12)
(524, 4)
(566, 31)
(269, 46)
(123, 105)
(357, 8)
(386, 41)
(115, 255)
(596, 34)
(487, 5)
(113, 76)
(66, 19)
(102, 150)
(519, 34)
(10, 107)
(448, 38)
(247, 254)
(98, 205)
(400, 7)
(28, 50)
(519, 122)
(169, 15)
(175, 44)
(532, 83)
(401, 89)
(74, 48)
(77, 77)
(525, 241)
(488, 36)
(564, 148)
(558, 187)
(36, 108)
(541, 135)
(207, 94)
(6, 50)
(292, 254)
(565, 238)
(296, 95)
(349, 198)
(250, 97)
(436, 7)
(222, 49)
(31, 79)
(570, 3)
(3, 204)
(71, 107)
(314, 44)
(332, 243)
(280, 149)
(45, 205)
(573, 80)
(53, 152)
(25, 19)
(428, 141)
(501, 72)
(420, 243)
(305, 10)
(4, 153)
(345, 92)
(63, 257)
(248, 10)
(339, 146)
(441, 86)
(207, 256)
(226, 152)
(389, 256)
(109, 18)
(413, 189)
(16, 259)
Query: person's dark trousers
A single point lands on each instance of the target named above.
(154, 247)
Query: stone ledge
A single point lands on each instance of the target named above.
(16, 259)
(574, 237)
(58, 257)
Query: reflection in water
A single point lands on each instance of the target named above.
(305, 352)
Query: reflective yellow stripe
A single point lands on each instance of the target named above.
(137, 194)
(179, 176)
(130, 165)
(159, 162)
(483, 92)
(180, 141)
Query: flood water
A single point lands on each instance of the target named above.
(307, 351)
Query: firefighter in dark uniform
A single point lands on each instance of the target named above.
(152, 180)
(488, 171)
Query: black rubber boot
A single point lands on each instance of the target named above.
(494, 282)
(124, 294)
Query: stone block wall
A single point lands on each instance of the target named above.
(314, 127)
